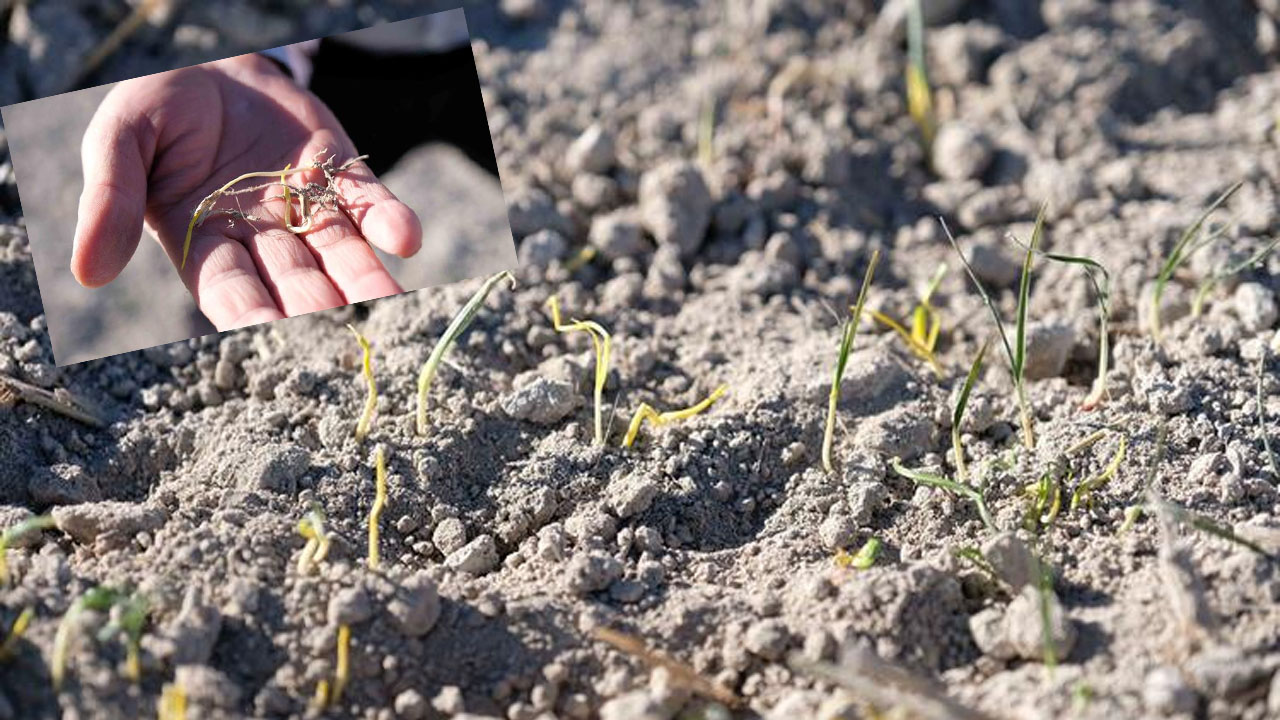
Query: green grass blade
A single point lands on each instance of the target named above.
(982, 291)
(957, 416)
(459, 324)
(846, 346)
(1182, 249)
(938, 481)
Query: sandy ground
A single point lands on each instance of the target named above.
(725, 249)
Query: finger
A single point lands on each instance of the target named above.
(376, 212)
(224, 280)
(116, 152)
(347, 259)
(290, 273)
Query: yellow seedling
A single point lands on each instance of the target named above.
(446, 341)
(601, 340)
(370, 404)
(375, 514)
(15, 533)
(15, 633)
(926, 324)
(1083, 494)
(646, 412)
(172, 704)
(311, 527)
(321, 697)
(846, 346)
(863, 559)
(919, 94)
(342, 673)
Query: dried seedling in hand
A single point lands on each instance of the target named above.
(456, 327)
(370, 403)
(846, 346)
(646, 412)
(601, 341)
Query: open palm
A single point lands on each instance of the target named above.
(159, 144)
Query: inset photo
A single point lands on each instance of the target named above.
(259, 187)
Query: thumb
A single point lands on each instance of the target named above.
(116, 152)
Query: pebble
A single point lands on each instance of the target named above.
(768, 639)
(1049, 346)
(349, 606)
(1011, 559)
(476, 557)
(993, 261)
(1255, 305)
(591, 152)
(450, 535)
(530, 210)
(416, 605)
(274, 467)
(594, 192)
(617, 234)
(631, 495)
(206, 686)
(675, 205)
(589, 572)
(1061, 185)
(837, 531)
(542, 248)
(1024, 630)
(961, 151)
(87, 522)
(449, 700)
(544, 401)
(410, 705)
(1164, 691)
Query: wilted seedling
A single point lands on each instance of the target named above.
(1191, 240)
(99, 599)
(922, 339)
(919, 94)
(957, 415)
(370, 404)
(59, 400)
(375, 513)
(1015, 352)
(864, 558)
(846, 346)
(312, 527)
(32, 524)
(600, 340)
(459, 325)
(317, 195)
(1083, 494)
(172, 704)
(16, 632)
(973, 494)
(646, 412)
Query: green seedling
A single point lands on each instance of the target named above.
(975, 557)
(1083, 494)
(973, 494)
(846, 346)
(863, 559)
(646, 412)
(922, 339)
(459, 325)
(1191, 240)
(99, 599)
(172, 704)
(1209, 283)
(371, 403)
(17, 532)
(1261, 401)
(1046, 501)
(16, 632)
(957, 415)
(131, 617)
(312, 528)
(1015, 352)
(601, 341)
(919, 94)
(1131, 515)
(1044, 588)
(375, 514)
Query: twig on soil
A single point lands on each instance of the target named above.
(375, 513)
(371, 403)
(680, 672)
(646, 412)
(60, 401)
(456, 327)
(15, 633)
(846, 346)
(884, 684)
(15, 533)
(601, 341)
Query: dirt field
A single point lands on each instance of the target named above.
(734, 166)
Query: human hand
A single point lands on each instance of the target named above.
(159, 144)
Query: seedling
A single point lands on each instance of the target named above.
(311, 527)
(973, 494)
(1044, 587)
(975, 557)
(15, 533)
(1131, 515)
(459, 325)
(172, 704)
(1046, 501)
(99, 599)
(1209, 283)
(922, 339)
(16, 632)
(1183, 516)
(342, 673)
(864, 558)
(130, 619)
(1191, 240)
(1015, 352)
(600, 340)
(375, 514)
(311, 196)
(919, 94)
(646, 412)
(846, 346)
(1083, 494)
(371, 403)
(957, 415)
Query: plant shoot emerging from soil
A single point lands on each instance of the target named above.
(1015, 352)
(371, 403)
(922, 339)
(973, 494)
(1222, 273)
(957, 415)
(864, 558)
(16, 632)
(312, 528)
(1083, 494)
(172, 704)
(15, 533)
(342, 670)
(99, 599)
(846, 346)
(919, 94)
(459, 325)
(1192, 239)
(646, 412)
(375, 513)
(600, 340)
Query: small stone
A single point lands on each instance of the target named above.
(543, 248)
(837, 531)
(1061, 185)
(226, 376)
(530, 210)
(543, 401)
(675, 205)
(1024, 631)
(992, 262)
(206, 686)
(416, 605)
(523, 10)
(1048, 348)
(961, 151)
(476, 557)
(617, 234)
(1011, 559)
(449, 700)
(864, 499)
(350, 606)
(275, 468)
(88, 522)
(591, 152)
(1164, 691)
(632, 495)
(987, 628)
(450, 535)
(590, 572)
(594, 192)
(1255, 305)
(768, 639)
(410, 705)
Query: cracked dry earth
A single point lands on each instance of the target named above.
(733, 166)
